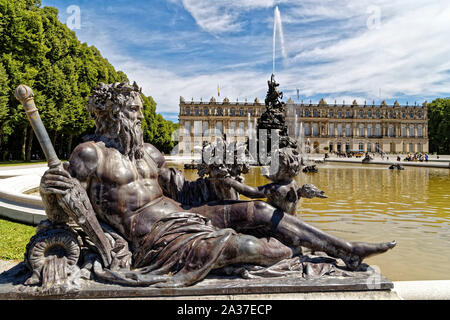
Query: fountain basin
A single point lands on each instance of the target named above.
(16, 204)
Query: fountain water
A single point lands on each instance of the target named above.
(277, 26)
(300, 138)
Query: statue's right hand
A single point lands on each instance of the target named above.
(56, 181)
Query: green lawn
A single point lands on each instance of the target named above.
(13, 239)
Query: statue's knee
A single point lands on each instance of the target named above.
(250, 246)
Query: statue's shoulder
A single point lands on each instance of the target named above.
(155, 154)
(84, 159)
(87, 151)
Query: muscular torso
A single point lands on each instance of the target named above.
(124, 193)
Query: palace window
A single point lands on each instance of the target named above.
(205, 111)
(391, 131)
(331, 129)
(347, 114)
(205, 128)
(339, 129)
(241, 113)
(377, 147)
(196, 112)
(331, 114)
(219, 112)
(348, 130)
(369, 130)
(187, 128)
(411, 115)
(378, 130)
(419, 132)
(233, 112)
(411, 131)
(378, 115)
(361, 114)
(404, 133)
(232, 128)
(361, 130)
(361, 146)
(315, 130)
(250, 112)
(369, 114)
(339, 114)
(241, 129)
(219, 127)
(403, 115)
(197, 128)
(306, 113)
(369, 147)
(188, 111)
(419, 115)
(307, 132)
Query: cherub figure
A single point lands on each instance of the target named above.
(283, 192)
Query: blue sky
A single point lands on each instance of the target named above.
(339, 50)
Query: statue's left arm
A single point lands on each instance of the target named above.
(175, 186)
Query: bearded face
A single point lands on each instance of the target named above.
(119, 124)
(130, 135)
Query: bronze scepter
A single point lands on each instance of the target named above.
(26, 97)
(82, 211)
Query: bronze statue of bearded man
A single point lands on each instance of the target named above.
(125, 184)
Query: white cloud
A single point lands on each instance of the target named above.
(222, 16)
(330, 52)
(167, 86)
(408, 53)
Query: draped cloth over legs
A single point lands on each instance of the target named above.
(180, 249)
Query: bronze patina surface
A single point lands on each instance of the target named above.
(117, 214)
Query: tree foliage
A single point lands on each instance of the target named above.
(36, 49)
(439, 125)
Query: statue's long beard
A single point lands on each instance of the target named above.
(131, 138)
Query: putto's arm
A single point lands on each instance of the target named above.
(250, 192)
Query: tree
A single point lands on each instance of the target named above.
(36, 49)
(439, 125)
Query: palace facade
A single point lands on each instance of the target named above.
(323, 127)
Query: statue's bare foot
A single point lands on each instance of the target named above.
(362, 250)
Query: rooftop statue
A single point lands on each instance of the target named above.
(117, 213)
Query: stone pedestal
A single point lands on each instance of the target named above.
(365, 286)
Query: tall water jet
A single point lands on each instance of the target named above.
(295, 126)
(277, 26)
(249, 126)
